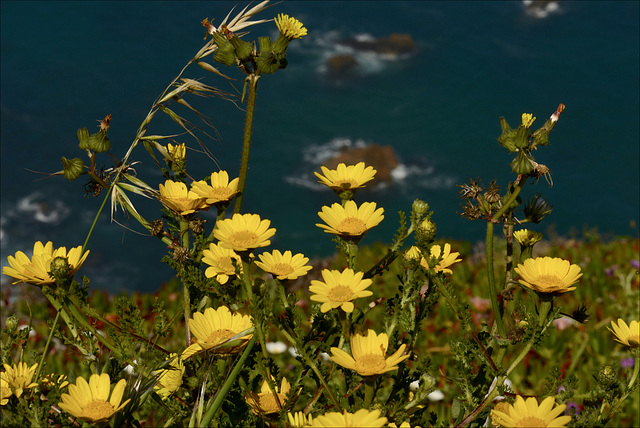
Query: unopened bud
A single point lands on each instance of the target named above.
(522, 164)
(11, 324)
(83, 138)
(60, 268)
(420, 208)
(507, 138)
(427, 229)
(99, 142)
(73, 168)
(607, 375)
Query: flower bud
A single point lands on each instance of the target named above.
(427, 229)
(73, 168)
(537, 208)
(225, 54)
(420, 208)
(244, 50)
(60, 268)
(522, 164)
(11, 324)
(99, 142)
(83, 138)
(506, 139)
(607, 375)
(527, 239)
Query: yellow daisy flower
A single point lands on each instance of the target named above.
(219, 191)
(527, 120)
(176, 197)
(5, 391)
(299, 420)
(548, 275)
(36, 270)
(178, 152)
(290, 27)
(214, 327)
(346, 177)
(369, 354)
(265, 401)
(53, 380)
(361, 418)
(284, 266)
(628, 335)
(91, 402)
(243, 232)
(413, 253)
(448, 258)
(220, 261)
(339, 289)
(170, 379)
(528, 414)
(526, 237)
(350, 221)
(19, 377)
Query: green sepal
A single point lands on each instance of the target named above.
(506, 139)
(264, 43)
(73, 168)
(521, 138)
(226, 53)
(244, 50)
(83, 138)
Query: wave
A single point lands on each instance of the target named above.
(540, 8)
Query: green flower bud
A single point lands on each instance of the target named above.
(60, 268)
(607, 375)
(522, 163)
(521, 139)
(225, 54)
(83, 137)
(99, 142)
(506, 139)
(11, 324)
(244, 50)
(427, 229)
(420, 208)
(268, 62)
(264, 43)
(73, 168)
(536, 209)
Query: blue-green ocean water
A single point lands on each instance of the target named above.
(66, 65)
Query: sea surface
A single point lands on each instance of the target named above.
(66, 65)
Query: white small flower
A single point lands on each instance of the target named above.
(276, 347)
(413, 386)
(436, 395)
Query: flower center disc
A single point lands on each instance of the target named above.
(352, 226)
(219, 336)
(282, 269)
(370, 364)
(97, 410)
(243, 239)
(340, 293)
(226, 265)
(530, 421)
(549, 282)
(268, 403)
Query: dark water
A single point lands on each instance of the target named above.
(66, 65)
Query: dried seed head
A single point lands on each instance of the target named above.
(157, 227)
(471, 212)
(196, 225)
(492, 195)
(181, 254)
(471, 190)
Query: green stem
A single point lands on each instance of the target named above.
(246, 143)
(184, 230)
(315, 369)
(222, 393)
(63, 313)
(46, 346)
(636, 369)
(368, 392)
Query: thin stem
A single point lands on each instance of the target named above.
(184, 230)
(246, 144)
(222, 393)
(46, 345)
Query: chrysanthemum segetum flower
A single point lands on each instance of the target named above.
(628, 335)
(546, 275)
(94, 402)
(299, 419)
(448, 258)
(221, 263)
(243, 232)
(19, 377)
(178, 152)
(5, 391)
(526, 237)
(361, 418)
(350, 221)
(369, 354)
(265, 402)
(346, 177)
(170, 379)
(35, 270)
(290, 27)
(213, 327)
(339, 289)
(528, 414)
(220, 191)
(284, 266)
(176, 197)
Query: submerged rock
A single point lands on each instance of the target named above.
(382, 158)
(341, 63)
